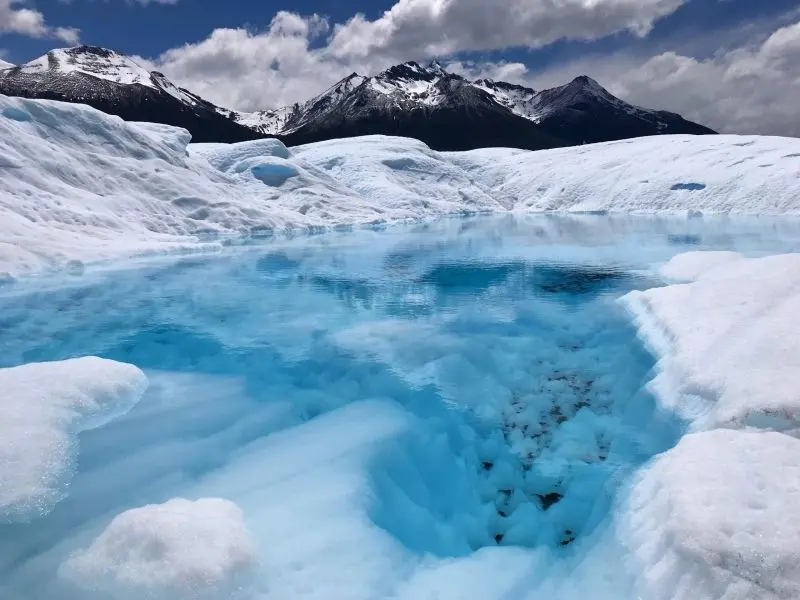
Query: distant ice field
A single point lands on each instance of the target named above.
(446, 410)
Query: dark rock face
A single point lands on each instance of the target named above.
(442, 109)
(584, 112)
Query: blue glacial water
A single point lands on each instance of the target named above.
(501, 336)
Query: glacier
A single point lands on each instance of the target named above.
(486, 375)
(84, 186)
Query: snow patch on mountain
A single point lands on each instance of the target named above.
(97, 62)
(520, 100)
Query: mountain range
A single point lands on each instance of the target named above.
(443, 109)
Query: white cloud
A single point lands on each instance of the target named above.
(30, 22)
(249, 70)
(442, 27)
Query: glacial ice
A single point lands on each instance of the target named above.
(82, 185)
(44, 406)
(737, 311)
(429, 410)
(443, 409)
(718, 517)
(179, 550)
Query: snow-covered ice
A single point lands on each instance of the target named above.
(79, 185)
(179, 550)
(43, 406)
(718, 517)
(660, 174)
(729, 341)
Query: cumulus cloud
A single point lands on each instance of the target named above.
(441, 27)
(15, 18)
(250, 70)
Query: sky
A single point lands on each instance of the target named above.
(733, 65)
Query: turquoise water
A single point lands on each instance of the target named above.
(503, 338)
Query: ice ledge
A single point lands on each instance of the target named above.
(718, 516)
(43, 407)
(729, 341)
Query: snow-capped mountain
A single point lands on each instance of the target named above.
(444, 110)
(450, 112)
(117, 85)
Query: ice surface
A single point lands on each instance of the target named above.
(403, 176)
(179, 550)
(729, 342)
(718, 517)
(76, 184)
(712, 174)
(690, 265)
(44, 406)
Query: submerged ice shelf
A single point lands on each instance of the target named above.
(399, 414)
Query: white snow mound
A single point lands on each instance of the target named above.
(402, 175)
(729, 342)
(179, 550)
(43, 406)
(718, 518)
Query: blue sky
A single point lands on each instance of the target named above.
(148, 29)
(251, 54)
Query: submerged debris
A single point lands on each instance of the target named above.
(547, 500)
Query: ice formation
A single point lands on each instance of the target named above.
(44, 406)
(82, 185)
(457, 412)
(718, 516)
(179, 550)
(728, 342)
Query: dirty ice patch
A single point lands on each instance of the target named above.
(728, 342)
(179, 550)
(43, 406)
(717, 517)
